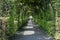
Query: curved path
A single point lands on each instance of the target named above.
(31, 32)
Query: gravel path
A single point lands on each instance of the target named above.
(31, 32)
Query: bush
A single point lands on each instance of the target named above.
(46, 25)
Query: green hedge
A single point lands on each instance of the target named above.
(48, 26)
(12, 26)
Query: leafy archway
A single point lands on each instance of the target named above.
(16, 13)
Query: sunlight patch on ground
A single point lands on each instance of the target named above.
(28, 33)
(28, 27)
(47, 37)
(19, 33)
(29, 24)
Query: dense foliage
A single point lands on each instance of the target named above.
(15, 17)
(16, 13)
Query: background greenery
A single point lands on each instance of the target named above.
(16, 13)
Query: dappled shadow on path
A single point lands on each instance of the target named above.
(31, 32)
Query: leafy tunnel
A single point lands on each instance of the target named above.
(15, 13)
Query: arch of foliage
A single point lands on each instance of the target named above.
(16, 13)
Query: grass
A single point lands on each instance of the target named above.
(48, 26)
